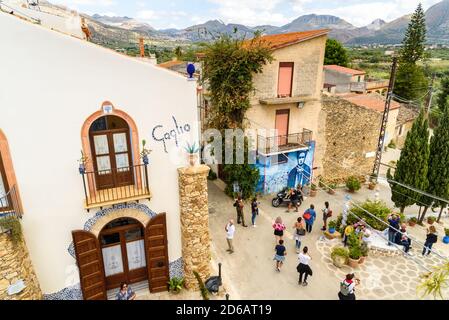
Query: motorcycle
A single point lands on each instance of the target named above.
(282, 198)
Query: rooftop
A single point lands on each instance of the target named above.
(345, 70)
(277, 41)
(407, 114)
(373, 101)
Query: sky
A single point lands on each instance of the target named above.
(164, 14)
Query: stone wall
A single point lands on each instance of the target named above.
(194, 223)
(351, 133)
(15, 264)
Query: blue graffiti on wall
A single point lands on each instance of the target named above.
(285, 170)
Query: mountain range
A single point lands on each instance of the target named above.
(118, 30)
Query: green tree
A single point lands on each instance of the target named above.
(438, 175)
(229, 66)
(412, 166)
(335, 53)
(414, 41)
(411, 81)
(178, 52)
(443, 96)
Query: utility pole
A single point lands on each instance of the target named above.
(430, 96)
(383, 129)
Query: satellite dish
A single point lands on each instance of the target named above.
(191, 70)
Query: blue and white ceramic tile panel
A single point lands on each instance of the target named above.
(74, 292)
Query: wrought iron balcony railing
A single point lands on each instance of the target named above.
(284, 143)
(10, 204)
(114, 186)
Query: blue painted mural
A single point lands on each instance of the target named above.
(285, 170)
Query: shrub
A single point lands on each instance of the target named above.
(364, 249)
(332, 224)
(431, 219)
(12, 225)
(446, 232)
(203, 289)
(355, 250)
(377, 208)
(353, 184)
(392, 145)
(313, 187)
(176, 284)
(339, 252)
(212, 175)
(413, 220)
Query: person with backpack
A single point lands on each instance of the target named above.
(309, 217)
(303, 267)
(347, 287)
(279, 256)
(300, 231)
(238, 204)
(279, 228)
(327, 213)
(431, 238)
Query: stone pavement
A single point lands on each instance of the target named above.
(250, 271)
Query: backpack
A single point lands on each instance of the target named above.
(344, 288)
(329, 213)
(307, 215)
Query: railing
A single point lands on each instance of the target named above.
(10, 204)
(109, 187)
(7, 8)
(284, 143)
(368, 85)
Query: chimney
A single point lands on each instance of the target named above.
(142, 47)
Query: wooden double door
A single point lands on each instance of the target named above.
(125, 251)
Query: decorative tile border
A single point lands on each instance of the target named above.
(102, 213)
(74, 292)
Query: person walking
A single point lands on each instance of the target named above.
(303, 267)
(238, 204)
(309, 217)
(254, 211)
(394, 222)
(230, 230)
(279, 228)
(347, 287)
(300, 231)
(279, 256)
(432, 237)
(294, 199)
(327, 213)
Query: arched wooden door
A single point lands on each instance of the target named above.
(90, 264)
(156, 243)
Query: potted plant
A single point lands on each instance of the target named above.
(332, 188)
(176, 284)
(332, 226)
(145, 153)
(82, 163)
(364, 249)
(353, 184)
(431, 220)
(313, 190)
(355, 251)
(372, 185)
(412, 221)
(339, 256)
(192, 150)
(446, 237)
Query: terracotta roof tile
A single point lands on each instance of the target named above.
(374, 102)
(407, 114)
(277, 41)
(341, 69)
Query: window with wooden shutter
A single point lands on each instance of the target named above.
(285, 79)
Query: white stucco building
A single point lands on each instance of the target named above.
(59, 95)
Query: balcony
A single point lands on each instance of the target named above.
(114, 186)
(369, 85)
(10, 204)
(269, 146)
(285, 100)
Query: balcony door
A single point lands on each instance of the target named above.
(111, 152)
(281, 125)
(4, 188)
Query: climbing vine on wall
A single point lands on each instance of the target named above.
(229, 66)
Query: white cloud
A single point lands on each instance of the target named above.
(162, 19)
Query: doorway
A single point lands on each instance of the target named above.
(122, 244)
(281, 125)
(111, 152)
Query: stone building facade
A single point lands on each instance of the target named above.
(15, 265)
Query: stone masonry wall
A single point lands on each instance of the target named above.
(15, 264)
(351, 133)
(194, 223)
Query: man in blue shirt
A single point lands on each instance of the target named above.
(394, 222)
(309, 217)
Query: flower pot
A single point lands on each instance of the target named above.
(411, 223)
(353, 263)
(313, 193)
(371, 186)
(362, 259)
(192, 159)
(446, 240)
(332, 230)
(339, 261)
(430, 221)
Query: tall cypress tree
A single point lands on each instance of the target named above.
(442, 100)
(411, 82)
(438, 175)
(412, 166)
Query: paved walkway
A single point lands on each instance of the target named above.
(250, 271)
